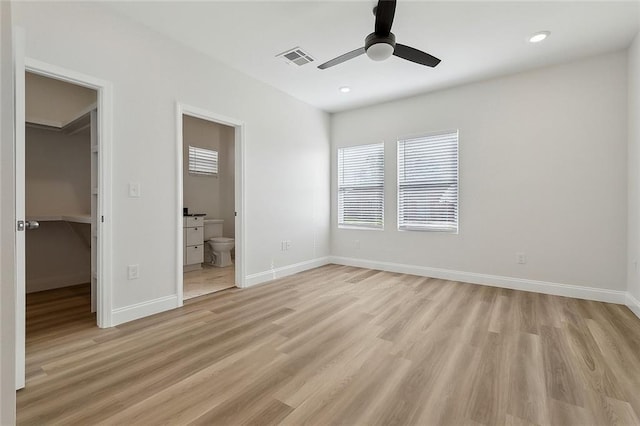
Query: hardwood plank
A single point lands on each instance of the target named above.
(336, 345)
(527, 400)
(561, 380)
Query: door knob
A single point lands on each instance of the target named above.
(32, 224)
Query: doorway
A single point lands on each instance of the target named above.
(210, 188)
(89, 228)
(60, 186)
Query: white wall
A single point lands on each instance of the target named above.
(633, 270)
(7, 215)
(286, 156)
(542, 171)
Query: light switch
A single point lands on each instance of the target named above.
(134, 190)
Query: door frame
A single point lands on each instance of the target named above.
(104, 250)
(183, 109)
(104, 90)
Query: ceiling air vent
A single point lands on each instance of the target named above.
(296, 56)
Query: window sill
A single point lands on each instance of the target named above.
(360, 228)
(428, 229)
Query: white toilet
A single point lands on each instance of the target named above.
(219, 246)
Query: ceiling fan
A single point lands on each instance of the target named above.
(381, 44)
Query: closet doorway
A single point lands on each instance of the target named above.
(61, 175)
(60, 185)
(62, 206)
(210, 200)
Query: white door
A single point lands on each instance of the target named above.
(20, 210)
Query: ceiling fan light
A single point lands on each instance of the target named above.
(380, 51)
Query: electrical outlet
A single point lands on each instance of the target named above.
(273, 264)
(287, 244)
(134, 190)
(133, 272)
(521, 258)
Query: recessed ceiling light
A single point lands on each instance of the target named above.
(538, 37)
(345, 89)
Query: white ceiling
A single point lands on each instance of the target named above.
(475, 40)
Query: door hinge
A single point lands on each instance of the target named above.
(102, 219)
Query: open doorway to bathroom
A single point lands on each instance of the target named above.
(208, 200)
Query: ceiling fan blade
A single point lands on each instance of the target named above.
(415, 55)
(342, 58)
(385, 11)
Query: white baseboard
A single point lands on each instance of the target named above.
(283, 271)
(49, 282)
(144, 309)
(140, 310)
(633, 304)
(568, 290)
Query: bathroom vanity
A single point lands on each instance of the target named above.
(193, 239)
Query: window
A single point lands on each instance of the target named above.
(428, 183)
(203, 161)
(361, 186)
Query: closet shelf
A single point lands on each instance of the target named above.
(76, 218)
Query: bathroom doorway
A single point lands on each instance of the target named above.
(209, 207)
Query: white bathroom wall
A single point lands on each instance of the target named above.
(286, 147)
(633, 257)
(543, 171)
(7, 223)
(227, 181)
(213, 195)
(201, 193)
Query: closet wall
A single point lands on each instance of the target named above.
(58, 183)
(58, 171)
(54, 102)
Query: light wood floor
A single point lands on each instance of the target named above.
(207, 280)
(338, 345)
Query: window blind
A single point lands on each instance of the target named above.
(361, 186)
(203, 161)
(428, 183)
